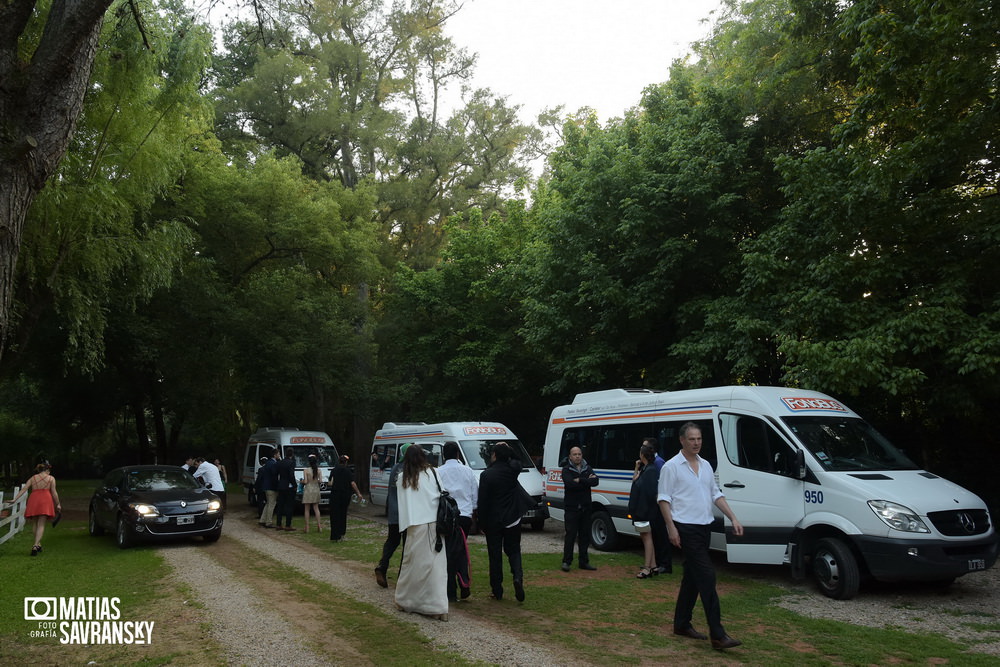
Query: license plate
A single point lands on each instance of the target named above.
(183, 520)
(977, 564)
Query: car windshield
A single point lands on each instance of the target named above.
(161, 480)
(326, 455)
(847, 444)
(478, 452)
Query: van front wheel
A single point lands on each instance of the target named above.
(602, 531)
(836, 569)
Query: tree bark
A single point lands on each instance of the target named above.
(41, 98)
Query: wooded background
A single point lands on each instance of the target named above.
(277, 222)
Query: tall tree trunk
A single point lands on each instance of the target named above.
(40, 101)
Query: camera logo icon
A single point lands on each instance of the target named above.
(41, 609)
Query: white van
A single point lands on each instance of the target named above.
(475, 440)
(301, 443)
(813, 484)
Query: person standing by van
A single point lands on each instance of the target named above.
(658, 529)
(286, 491)
(687, 492)
(341, 485)
(643, 507)
(269, 483)
(578, 479)
(310, 491)
(459, 481)
(500, 511)
(394, 537)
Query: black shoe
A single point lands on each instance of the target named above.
(497, 594)
(587, 566)
(519, 590)
(465, 591)
(725, 642)
(690, 633)
(36, 550)
(380, 578)
(565, 567)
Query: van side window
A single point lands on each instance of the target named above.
(753, 443)
(616, 446)
(383, 456)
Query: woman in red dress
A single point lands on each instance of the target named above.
(43, 501)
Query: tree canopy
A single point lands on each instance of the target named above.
(285, 225)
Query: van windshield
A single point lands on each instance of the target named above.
(847, 444)
(326, 455)
(478, 452)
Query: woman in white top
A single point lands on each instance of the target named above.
(423, 578)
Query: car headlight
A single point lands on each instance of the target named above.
(142, 509)
(214, 506)
(898, 517)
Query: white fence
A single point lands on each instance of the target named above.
(11, 518)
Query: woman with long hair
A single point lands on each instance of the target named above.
(310, 492)
(422, 586)
(43, 501)
(642, 506)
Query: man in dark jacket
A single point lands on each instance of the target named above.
(286, 491)
(269, 482)
(578, 478)
(500, 510)
(394, 537)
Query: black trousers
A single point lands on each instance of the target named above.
(338, 515)
(389, 547)
(458, 558)
(285, 508)
(501, 541)
(698, 580)
(577, 532)
(661, 542)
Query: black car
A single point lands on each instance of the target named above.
(154, 502)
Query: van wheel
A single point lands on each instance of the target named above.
(836, 569)
(602, 531)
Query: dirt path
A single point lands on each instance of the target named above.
(259, 621)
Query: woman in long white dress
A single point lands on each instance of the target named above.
(422, 587)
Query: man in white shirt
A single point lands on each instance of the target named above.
(208, 474)
(687, 491)
(461, 482)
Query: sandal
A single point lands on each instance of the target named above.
(644, 573)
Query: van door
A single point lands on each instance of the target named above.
(757, 473)
(382, 461)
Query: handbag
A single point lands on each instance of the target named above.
(447, 516)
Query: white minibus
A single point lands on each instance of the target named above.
(813, 484)
(475, 440)
(301, 444)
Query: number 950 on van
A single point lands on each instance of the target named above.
(813, 484)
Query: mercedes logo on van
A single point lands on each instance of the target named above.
(184, 504)
(968, 523)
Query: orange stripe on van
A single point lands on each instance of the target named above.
(598, 418)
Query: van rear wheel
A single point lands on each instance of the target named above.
(836, 569)
(602, 531)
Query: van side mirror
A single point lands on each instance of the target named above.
(800, 464)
